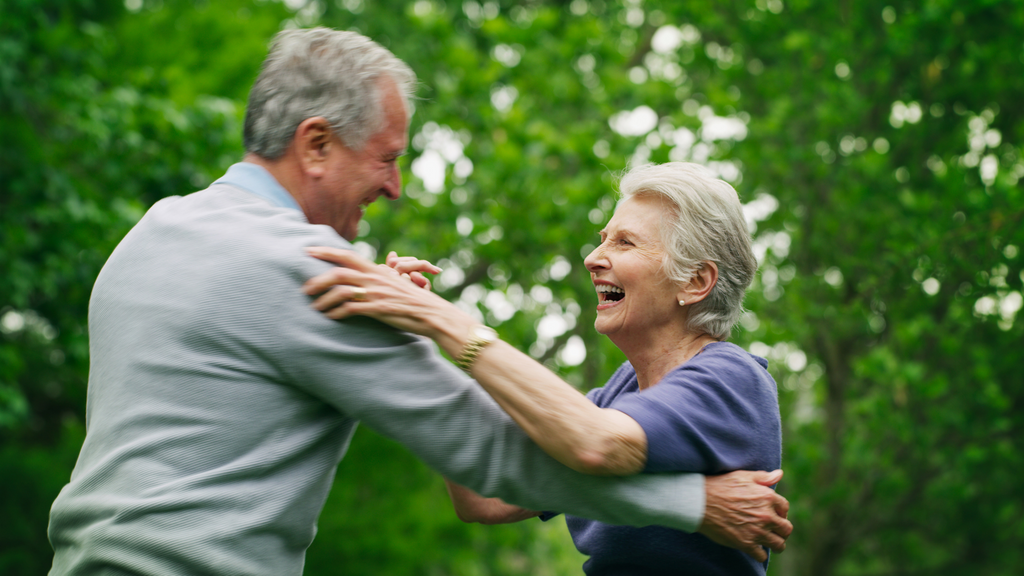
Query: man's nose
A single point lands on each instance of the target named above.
(393, 185)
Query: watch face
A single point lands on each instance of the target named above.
(485, 333)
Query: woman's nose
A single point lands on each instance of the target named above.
(595, 260)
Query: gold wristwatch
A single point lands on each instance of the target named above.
(479, 337)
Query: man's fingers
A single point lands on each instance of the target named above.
(782, 506)
(783, 528)
(756, 551)
(768, 478)
(773, 541)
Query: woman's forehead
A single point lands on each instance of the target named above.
(644, 209)
(639, 215)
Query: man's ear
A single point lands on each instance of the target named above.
(313, 141)
(700, 284)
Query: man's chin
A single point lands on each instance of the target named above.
(349, 231)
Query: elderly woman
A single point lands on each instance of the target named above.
(670, 274)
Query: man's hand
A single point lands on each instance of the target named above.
(741, 511)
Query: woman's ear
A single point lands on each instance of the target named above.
(699, 285)
(313, 143)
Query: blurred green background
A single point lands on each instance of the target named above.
(878, 147)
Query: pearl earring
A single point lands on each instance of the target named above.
(682, 302)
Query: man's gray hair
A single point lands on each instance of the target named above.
(321, 72)
(705, 223)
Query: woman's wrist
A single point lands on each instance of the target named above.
(452, 330)
(480, 337)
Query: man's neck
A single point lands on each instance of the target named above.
(285, 172)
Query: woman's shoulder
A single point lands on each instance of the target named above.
(623, 380)
(725, 363)
(729, 354)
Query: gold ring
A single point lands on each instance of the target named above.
(358, 294)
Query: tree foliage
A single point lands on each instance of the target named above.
(878, 149)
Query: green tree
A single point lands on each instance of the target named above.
(878, 148)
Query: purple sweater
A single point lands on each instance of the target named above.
(717, 413)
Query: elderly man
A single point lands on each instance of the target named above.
(220, 403)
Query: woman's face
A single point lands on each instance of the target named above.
(635, 298)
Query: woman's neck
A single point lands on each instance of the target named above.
(655, 359)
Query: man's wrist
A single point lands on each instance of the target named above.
(703, 503)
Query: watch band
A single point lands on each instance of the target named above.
(480, 337)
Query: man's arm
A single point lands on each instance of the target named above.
(472, 507)
(398, 385)
(741, 511)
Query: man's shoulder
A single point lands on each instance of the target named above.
(225, 214)
(217, 238)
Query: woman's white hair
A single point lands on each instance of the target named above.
(321, 72)
(705, 224)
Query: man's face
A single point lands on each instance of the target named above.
(353, 179)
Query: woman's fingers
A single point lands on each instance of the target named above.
(420, 280)
(360, 287)
(339, 295)
(407, 266)
(341, 257)
(333, 277)
(350, 308)
(410, 264)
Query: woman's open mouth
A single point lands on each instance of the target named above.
(609, 293)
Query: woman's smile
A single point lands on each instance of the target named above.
(608, 294)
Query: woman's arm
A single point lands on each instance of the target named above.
(555, 415)
(472, 507)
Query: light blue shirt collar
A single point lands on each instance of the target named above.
(255, 179)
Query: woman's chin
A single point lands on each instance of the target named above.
(605, 328)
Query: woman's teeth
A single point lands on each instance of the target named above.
(610, 293)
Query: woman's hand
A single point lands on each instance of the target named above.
(412, 268)
(360, 287)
